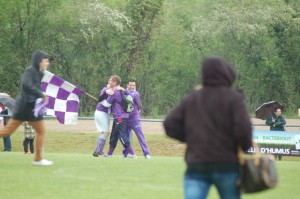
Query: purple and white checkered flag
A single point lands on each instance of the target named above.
(63, 98)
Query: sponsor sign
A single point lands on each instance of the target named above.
(284, 143)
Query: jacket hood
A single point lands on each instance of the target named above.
(37, 58)
(217, 71)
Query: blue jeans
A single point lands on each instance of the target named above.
(7, 143)
(196, 185)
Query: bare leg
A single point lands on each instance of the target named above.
(39, 127)
(10, 128)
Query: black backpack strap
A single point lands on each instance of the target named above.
(102, 97)
(123, 94)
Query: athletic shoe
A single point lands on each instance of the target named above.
(131, 156)
(42, 162)
(148, 157)
(27, 153)
(107, 156)
(95, 154)
(6, 150)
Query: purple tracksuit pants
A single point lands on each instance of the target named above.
(137, 128)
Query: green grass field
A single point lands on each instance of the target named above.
(77, 174)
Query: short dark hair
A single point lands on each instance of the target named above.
(275, 109)
(131, 80)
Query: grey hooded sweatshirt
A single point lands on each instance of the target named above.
(212, 121)
(30, 89)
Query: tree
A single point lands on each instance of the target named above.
(243, 32)
(142, 14)
(21, 31)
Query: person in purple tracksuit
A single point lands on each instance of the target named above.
(102, 120)
(134, 120)
(120, 119)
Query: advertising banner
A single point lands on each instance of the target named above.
(285, 143)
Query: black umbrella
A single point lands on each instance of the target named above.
(267, 109)
(7, 102)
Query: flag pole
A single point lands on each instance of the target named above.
(91, 96)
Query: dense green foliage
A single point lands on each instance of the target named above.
(160, 43)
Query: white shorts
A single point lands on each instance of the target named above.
(102, 121)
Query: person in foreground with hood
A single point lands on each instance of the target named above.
(213, 122)
(30, 91)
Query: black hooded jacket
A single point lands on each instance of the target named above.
(213, 121)
(30, 89)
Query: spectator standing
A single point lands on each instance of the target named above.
(29, 135)
(3, 121)
(213, 122)
(277, 122)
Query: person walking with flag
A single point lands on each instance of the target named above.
(30, 91)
